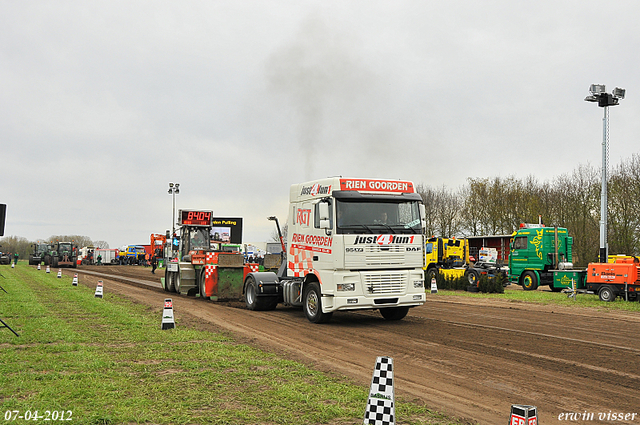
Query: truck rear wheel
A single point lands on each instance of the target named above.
(253, 301)
(312, 304)
(472, 277)
(607, 294)
(394, 313)
(529, 281)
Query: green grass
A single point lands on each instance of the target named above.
(107, 361)
(546, 297)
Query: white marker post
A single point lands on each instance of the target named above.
(59, 273)
(75, 280)
(48, 270)
(434, 286)
(523, 415)
(98, 293)
(381, 403)
(167, 315)
(39, 266)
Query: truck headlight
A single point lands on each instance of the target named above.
(346, 287)
(418, 283)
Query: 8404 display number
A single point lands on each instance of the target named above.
(49, 415)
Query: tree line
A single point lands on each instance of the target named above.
(497, 206)
(23, 246)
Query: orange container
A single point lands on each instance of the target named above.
(615, 273)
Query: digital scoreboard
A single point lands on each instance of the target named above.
(194, 218)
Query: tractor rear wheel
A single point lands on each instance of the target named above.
(169, 283)
(201, 285)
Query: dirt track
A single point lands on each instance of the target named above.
(471, 358)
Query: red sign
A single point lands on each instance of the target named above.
(168, 304)
(195, 218)
(519, 420)
(303, 215)
(371, 185)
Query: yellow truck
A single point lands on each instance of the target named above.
(448, 256)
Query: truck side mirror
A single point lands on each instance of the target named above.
(423, 216)
(323, 210)
(323, 216)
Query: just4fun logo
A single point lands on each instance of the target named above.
(316, 189)
(384, 239)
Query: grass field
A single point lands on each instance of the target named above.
(547, 297)
(106, 361)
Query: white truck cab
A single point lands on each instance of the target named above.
(353, 244)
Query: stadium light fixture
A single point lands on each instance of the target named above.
(604, 99)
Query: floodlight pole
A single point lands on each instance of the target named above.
(174, 189)
(604, 246)
(604, 100)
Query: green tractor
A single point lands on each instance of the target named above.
(64, 254)
(40, 250)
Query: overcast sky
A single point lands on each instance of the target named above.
(102, 104)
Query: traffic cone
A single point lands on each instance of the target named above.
(167, 315)
(381, 404)
(98, 293)
(434, 286)
(59, 273)
(75, 280)
(48, 270)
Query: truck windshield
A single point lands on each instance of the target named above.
(65, 247)
(354, 217)
(198, 238)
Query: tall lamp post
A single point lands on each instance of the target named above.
(598, 94)
(174, 189)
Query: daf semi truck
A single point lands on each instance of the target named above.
(353, 244)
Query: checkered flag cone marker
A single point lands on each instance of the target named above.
(381, 403)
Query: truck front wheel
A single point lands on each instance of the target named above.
(529, 281)
(431, 274)
(394, 313)
(312, 304)
(607, 294)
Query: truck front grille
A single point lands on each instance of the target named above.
(385, 283)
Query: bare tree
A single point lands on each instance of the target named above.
(624, 204)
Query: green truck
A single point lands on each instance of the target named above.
(542, 256)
